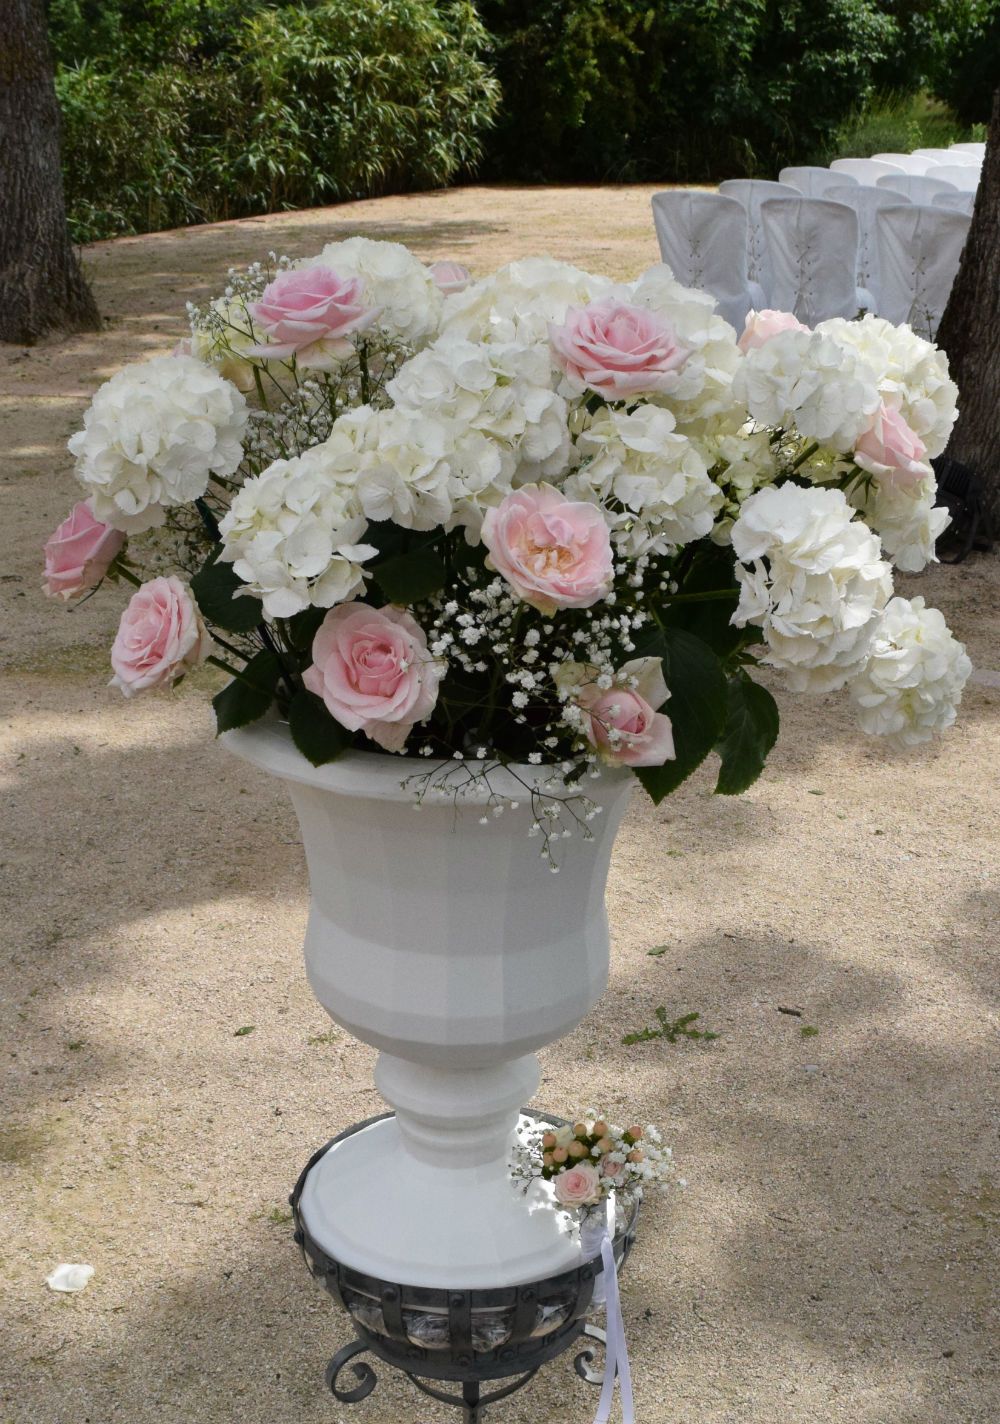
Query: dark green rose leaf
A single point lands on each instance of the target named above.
(750, 733)
(412, 577)
(249, 695)
(696, 707)
(215, 587)
(318, 736)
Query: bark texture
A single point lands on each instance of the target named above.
(970, 330)
(41, 285)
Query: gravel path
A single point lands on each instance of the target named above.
(830, 1259)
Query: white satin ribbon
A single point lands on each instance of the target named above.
(616, 1353)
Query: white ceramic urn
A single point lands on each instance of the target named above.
(451, 948)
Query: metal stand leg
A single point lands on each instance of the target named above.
(470, 1401)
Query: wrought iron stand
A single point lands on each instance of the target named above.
(498, 1337)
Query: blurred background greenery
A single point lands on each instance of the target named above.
(183, 111)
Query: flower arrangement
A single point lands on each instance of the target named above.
(540, 517)
(588, 1161)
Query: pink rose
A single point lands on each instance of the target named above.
(617, 350)
(892, 451)
(762, 325)
(622, 721)
(578, 1186)
(611, 1169)
(309, 312)
(450, 277)
(159, 637)
(372, 669)
(79, 552)
(554, 552)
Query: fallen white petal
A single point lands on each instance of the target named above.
(69, 1277)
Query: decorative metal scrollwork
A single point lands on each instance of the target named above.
(585, 1358)
(363, 1373)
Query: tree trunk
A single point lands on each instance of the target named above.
(970, 330)
(41, 285)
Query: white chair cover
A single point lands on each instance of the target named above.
(964, 176)
(813, 250)
(919, 249)
(978, 150)
(916, 189)
(813, 182)
(751, 192)
(703, 240)
(957, 202)
(865, 170)
(908, 162)
(866, 203)
(945, 155)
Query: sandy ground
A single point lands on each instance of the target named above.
(830, 1260)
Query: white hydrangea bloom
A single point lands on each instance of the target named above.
(912, 374)
(813, 579)
(153, 435)
(704, 386)
(519, 301)
(394, 280)
(403, 469)
(503, 390)
(294, 532)
(811, 382)
(639, 460)
(912, 683)
(905, 518)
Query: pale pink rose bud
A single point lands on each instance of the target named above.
(637, 1156)
(308, 313)
(160, 636)
(634, 1133)
(762, 325)
(891, 451)
(578, 1186)
(611, 1169)
(560, 1154)
(450, 277)
(372, 668)
(622, 721)
(79, 552)
(577, 1149)
(548, 1139)
(554, 552)
(617, 350)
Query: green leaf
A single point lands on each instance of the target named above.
(697, 707)
(242, 1032)
(711, 570)
(751, 731)
(249, 695)
(215, 586)
(318, 736)
(658, 952)
(303, 627)
(410, 578)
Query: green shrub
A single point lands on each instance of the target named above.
(895, 123)
(343, 99)
(969, 71)
(683, 89)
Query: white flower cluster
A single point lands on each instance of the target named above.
(651, 480)
(704, 387)
(517, 303)
(810, 382)
(502, 390)
(394, 281)
(293, 534)
(905, 518)
(912, 683)
(812, 578)
(152, 437)
(910, 373)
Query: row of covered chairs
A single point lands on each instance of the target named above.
(860, 248)
(918, 187)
